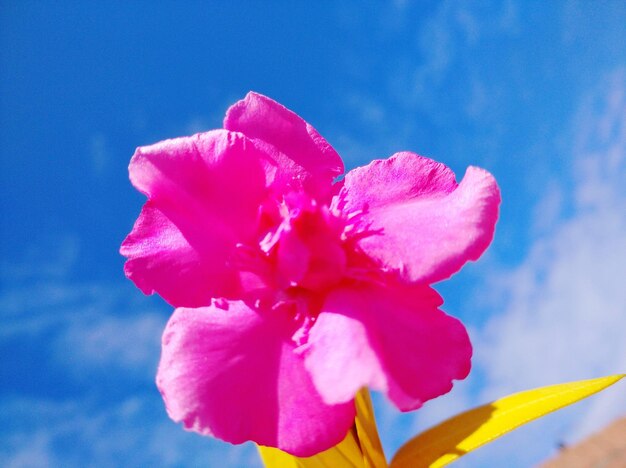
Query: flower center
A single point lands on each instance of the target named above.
(308, 248)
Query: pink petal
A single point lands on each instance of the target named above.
(234, 374)
(204, 194)
(424, 225)
(303, 155)
(392, 339)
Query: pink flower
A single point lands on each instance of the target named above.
(294, 291)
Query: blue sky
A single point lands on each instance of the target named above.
(535, 92)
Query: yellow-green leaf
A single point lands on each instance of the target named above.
(365, 424)
(347, 453)
(467, 431)
(360, 449)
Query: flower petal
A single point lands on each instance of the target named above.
(234, 374)
(421, 222)
(303, 155)
(393, 339)
(161, 259)
(204, 194)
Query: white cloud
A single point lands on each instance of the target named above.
(198, 125)
(367, 109)
(560, 315)
(548, 210)
(564, 306)
(451, 34)
(50, 257)
(112, 344)
(133, 432)
(85, 325)
(85, 357)
(100, 154)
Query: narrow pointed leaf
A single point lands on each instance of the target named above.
(365, 423)
(360, 449)
(347, 453)
(467, 431)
